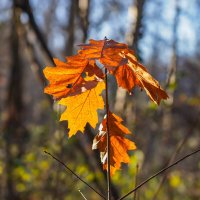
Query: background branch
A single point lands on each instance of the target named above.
(25, 6)
(160, 172)
(77, 176)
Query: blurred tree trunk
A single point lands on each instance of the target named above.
(138, 33)
(79, 12)
(84, 11)
(172, 77)
(71, 27)
(123, 101)
(14, 131)
(25, 6)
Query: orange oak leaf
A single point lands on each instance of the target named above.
(68, 78)
(106, 51)
(119, 145)
(133, 73)
(82, 108)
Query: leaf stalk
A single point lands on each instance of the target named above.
(108, 139)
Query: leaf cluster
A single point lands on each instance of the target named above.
(78, 84)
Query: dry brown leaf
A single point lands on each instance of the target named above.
(133, 73)
(119, 145)
(106, 51)
(68, 78)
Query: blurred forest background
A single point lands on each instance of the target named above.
(166, 37)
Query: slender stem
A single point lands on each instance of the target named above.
(108, 138)
(160, 172)
(136, 176)
(82, 194)
(77, 176)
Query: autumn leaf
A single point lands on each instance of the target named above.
(82, 108)
(106, 51)
(119, 145)
(68, 78)
(133, 73)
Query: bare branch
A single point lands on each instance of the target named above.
(77, 176)
(25, 6)
(160, 172)
(136, 180)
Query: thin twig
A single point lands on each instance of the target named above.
(77, 176)
(82, 194)
(136, 176)
(108, 137)
(160, 172)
